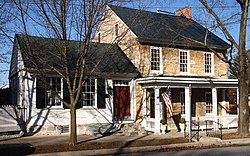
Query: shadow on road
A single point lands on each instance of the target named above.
(16, 149)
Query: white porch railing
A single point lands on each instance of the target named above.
(228, 121)
(150, 124)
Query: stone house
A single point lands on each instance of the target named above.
(177, 53)
(43, 113)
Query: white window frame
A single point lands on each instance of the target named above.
(188, 62)
(121, 83)
(160, 71)
(212, 63)
(95, 96)
(209, 104)
(50, 92)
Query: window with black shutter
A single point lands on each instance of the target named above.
(40, 94)
(66, 96)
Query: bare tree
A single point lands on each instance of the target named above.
(63, 20)
(6, 17)
(243, 126)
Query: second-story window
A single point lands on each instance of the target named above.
(155, 59)
(208, 63)
(116, 30)
(184, 61)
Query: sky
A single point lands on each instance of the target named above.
(198, 12)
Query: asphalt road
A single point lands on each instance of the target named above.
(225, 151)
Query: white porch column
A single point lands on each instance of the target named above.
(224, 112)
(109, 101)
(187, 104)
(21, 90)
(144, 107)
(133, 99)
(188, 115)
(215, 105)
(158, 112)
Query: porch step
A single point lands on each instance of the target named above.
(131, 129)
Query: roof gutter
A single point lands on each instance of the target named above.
(182, 80)
(174, 44)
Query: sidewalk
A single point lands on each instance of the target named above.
(35, 141)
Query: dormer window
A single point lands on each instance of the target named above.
(99, 37)
(156, 60)
(116, 30)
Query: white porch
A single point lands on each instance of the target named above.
(216, 87)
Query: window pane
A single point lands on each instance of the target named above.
(155, 59)
(208, 63)
(88, 93)
(183, 61)
(53, 87)
(208, 99)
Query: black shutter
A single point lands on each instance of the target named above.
(101, 104)
(40, 93)
(66, 96)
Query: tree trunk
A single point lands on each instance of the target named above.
(243, 121)
(73, 136)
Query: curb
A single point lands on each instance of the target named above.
(123, 150)
(218, 143)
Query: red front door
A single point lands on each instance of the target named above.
(122, 101)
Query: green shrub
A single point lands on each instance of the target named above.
(163, 121)
(182, 120)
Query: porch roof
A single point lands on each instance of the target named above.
(196, 82)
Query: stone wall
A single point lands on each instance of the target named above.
(171, 66)
(39, 130)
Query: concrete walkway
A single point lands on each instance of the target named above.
(63, 139)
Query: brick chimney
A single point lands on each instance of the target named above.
(185, 12)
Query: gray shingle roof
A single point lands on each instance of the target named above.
(46, 51)
(168, 30)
